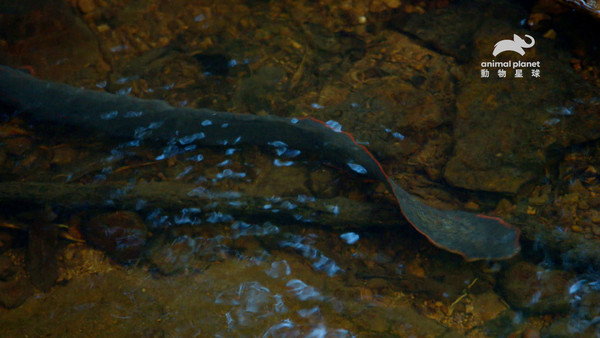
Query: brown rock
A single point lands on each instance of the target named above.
(14, 293)
(122, 235)
(487, 306)
(507, 180)
(59, 36)
(17, 145)
(505, 129)
(86, 6)
(532, 288)
(173, 257)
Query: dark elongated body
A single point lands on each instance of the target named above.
(470, 235)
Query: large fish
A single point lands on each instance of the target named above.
(473, 236)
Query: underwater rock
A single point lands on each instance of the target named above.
(171, 257)
(504, 325)
(62, 41)
(398, 103)
(505, 128)
(17, 145)
(486, 306)
(432, 27)
(397, 321)
(86, 6)
(570, 327)
(504, 137)
(529, 287)
(14, 293)
(122, 235)
(7, 268)
(256, 92)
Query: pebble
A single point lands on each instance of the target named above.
(414, 268)
(393, 3)
(86, 6)
(103, 28)
(472, 205)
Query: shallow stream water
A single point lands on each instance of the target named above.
(135, 236)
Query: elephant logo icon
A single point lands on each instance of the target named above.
(515, 45)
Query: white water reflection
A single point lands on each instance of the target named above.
(357, 168)
(303, 245)
(279, 269)
(350, 237)
(334, 125)
(252, 302)
(241, 229)
(303, 291)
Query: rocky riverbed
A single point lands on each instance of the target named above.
(290, 246)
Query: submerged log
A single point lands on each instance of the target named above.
(174, 196)
(42, 264)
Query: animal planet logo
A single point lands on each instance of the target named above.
(517, 45)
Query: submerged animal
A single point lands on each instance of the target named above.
(515, 45)
(470, 235)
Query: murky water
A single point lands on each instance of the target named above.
(161, 231)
